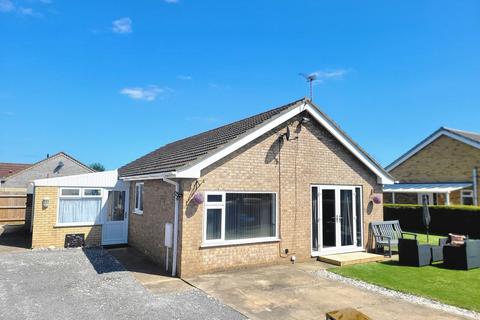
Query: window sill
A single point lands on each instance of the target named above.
(72, 225)
(138, 212)
(237, 242)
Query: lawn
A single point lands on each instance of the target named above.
(454, 287)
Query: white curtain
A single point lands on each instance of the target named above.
(79, 210)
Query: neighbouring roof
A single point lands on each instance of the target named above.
(50, 158)
(425, 187)
(105, 179)
(186, 157)
(7, 168)
(470, 138)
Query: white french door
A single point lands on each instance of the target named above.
(336, 219)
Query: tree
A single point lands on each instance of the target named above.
(97, 166)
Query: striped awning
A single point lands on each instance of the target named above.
(425, 187)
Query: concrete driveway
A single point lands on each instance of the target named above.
(295, 292)
(91, 284)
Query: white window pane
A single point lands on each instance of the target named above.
(141, 198)
(116, 206)
(79, 210)
(70, 192)
(214, 224)
(92, 192)
(214, 198)
(250, 215)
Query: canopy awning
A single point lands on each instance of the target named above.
(425, 187)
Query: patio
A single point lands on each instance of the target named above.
(297, 292)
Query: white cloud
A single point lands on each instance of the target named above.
(331, 74)
(149, 93)
(6, 6)
(184, 77)
(123, 25)
(171, 1)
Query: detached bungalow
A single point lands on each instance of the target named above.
(442, 170)
(284, 184)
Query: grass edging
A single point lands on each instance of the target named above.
(399, 294)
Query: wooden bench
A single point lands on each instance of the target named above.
(387, 233)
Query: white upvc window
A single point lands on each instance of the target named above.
(139, 198)
(79, 206)
(239, 217)
(467, 197)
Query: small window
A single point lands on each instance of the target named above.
(214, 198)
(467, 197)
(139, 198)
(92, 192)
(70, 192)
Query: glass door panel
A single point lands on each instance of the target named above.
(315, 219)
(346, 218)
(328, 206)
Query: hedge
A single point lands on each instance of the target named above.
(445, 219)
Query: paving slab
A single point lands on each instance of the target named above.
(294, 292)
(149, 274)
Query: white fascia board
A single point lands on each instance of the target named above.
(381, 177)
(195, 170)
(434, 137)
(424, 190)
(155, 176)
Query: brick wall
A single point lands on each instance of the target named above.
(443, 160)
(45, 234)
(314, 158)
(146, 232)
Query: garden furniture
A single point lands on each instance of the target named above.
(411, 253)
(464, 256)
(387, 233)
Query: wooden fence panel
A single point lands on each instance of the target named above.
(12, 206)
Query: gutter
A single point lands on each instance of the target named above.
(175, 224)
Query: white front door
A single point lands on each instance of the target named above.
(336, 219)
(115, 223)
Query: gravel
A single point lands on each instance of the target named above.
(400, 295)
(90, 283)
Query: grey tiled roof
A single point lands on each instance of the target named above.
(469, 135)
(182, 153)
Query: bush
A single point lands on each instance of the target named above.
(445, 219)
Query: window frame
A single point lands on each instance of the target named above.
(136, 209)
(91, 196)
(60, 195)
(466, 194)
(222, 205)
(81, 195)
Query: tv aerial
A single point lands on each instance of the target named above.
(310, 78)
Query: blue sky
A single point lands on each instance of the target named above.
(109, 81)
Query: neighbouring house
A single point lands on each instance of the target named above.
(9, 168)
(442, 170)
(286, 183)
(16, 190)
